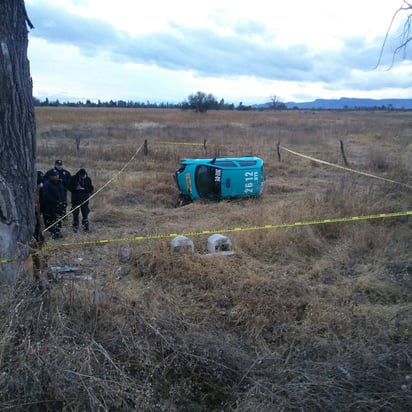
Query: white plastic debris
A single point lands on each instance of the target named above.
(219, 244)
(182, 244)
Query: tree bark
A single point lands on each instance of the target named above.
(17, 140)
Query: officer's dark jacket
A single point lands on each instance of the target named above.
(52, 198)
(80, 195)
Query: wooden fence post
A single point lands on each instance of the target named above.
(77, 144)
(343, 153)
(278, 150)
(145, 149)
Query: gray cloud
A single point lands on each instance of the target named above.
(60, 27)
(247, 49)
(201, 50)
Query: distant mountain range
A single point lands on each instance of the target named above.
(349, 103)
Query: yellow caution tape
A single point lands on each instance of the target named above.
(344, 168)
(182, 143)
(2, 261)
(236, 229)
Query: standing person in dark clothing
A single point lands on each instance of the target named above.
(81, 187)
(52, 203)
(64, 176)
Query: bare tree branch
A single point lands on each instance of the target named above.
(406, 33)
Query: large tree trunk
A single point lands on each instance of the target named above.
(17, 141)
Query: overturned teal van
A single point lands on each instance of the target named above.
(220, 178)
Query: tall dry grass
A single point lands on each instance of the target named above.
(314, 317)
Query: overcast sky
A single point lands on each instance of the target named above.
(239, 50)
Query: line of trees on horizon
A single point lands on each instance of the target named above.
(199, 102)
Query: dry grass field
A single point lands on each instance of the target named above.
(307, 318)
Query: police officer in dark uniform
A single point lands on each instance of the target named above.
(64, 176)
(81, 187)
(52, 203)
